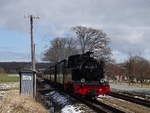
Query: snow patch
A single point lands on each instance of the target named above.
(65, 101)
(50, 93)
(59, 98)
(110, 97)
(105, 96)
(47, 86)
(4, 86)
(99, 96)
(139, 97)
(71, 109)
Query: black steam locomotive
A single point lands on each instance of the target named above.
(80, 74)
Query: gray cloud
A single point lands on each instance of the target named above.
(127, 22)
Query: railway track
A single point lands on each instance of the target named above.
(94, 104)
(97, 105)
(131, 99)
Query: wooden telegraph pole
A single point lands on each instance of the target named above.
(32, 42)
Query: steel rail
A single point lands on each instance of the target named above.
(97, 106)
(131, 99)
(110, 108)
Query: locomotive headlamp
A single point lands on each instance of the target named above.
(82, 80)
(102, 81)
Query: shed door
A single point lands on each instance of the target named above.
(27, 84)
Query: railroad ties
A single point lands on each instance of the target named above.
(100, 106)
(93, 104)
(97, 105)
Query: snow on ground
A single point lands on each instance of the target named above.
(100, 97)
(58, 98)
(71, 109)
(64, 101)
(2, 93)
(138, 97)
(47, 86)
(9, 85)
(104, 96)
(133, 89)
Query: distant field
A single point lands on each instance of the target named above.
(7, 78)
(13, 74)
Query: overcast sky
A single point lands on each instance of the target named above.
(126, 22)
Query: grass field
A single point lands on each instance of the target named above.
(6, 78)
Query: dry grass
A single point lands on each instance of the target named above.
(14, 103)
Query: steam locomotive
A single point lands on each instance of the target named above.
(80, 74)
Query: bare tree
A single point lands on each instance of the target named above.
(142, 68)
(130, 69)
(137, 68)
(90, 39)
(60, 49)
(114, 70)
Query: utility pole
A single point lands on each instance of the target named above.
(32, 42)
